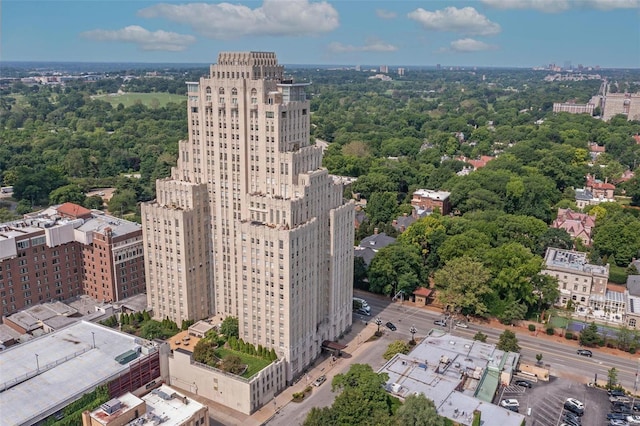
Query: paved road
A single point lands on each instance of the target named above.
(561, 358)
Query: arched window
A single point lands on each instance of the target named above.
(254, 92)
(234, 92)
(208, 90)
(221, 91)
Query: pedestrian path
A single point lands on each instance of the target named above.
(356, 344)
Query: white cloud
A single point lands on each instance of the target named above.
(465, 21)
(385, 14)
(470, 45)
(145, 39)
(227, 21)
(549, 6)
(371, 45)
(552, 6)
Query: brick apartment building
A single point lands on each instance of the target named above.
(429, 200)
(65, 251)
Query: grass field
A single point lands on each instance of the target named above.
(254, 364)
(153, 100)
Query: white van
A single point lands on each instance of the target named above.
(363, 304)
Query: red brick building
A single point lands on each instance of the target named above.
(66, 251)
(429, 200)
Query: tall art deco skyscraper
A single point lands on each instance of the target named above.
(249, 224)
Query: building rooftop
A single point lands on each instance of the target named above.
(173, 407)
(633, 285)
(377, 241)
(434, 195)
(41, 375)
(453, 372)
(574, 260)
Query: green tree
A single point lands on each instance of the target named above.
(539, 358)
(418, 410)
(463, 284)
(589, 336)
(624, 338)
(360, 273)
(93, 202)
(480, 336)
(612, 378)
(508, 342)
(232, 364)
(152, 330)
(397, 347)
(229, 327)
(382, 207)
(394, 268)
(545, 289)
(68, 193)
(514, 312)
(122, 201)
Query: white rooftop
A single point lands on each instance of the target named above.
(436, 367)
(174, 411)
(48, 372)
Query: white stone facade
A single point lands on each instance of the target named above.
(279, 235)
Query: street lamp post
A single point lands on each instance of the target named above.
(378, 323)
(413, 331)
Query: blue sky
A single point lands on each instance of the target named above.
(521, 33)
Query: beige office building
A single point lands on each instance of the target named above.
(264, 233)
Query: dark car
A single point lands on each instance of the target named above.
(440, 322)
(391, 326)
(524, 383)
(636, 406)
(571, 418)
(584, 352)
(512, 408)
(616, 416)
(617, 392)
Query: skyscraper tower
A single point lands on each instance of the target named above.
(249, 224)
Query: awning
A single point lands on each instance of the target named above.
(328, 344)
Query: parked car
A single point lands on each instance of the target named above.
(617, 392)
(524, 383)
(509, 403)
(584, 352)
(440, 322)
(363, 312)
(575, 406)
(320, 380)
(571, 421)
(616, 416)
(633, 420)
(462, 324)
(391, 326)
(514, 409)
(572, 418)
(618, 422)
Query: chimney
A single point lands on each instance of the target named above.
(375, 231)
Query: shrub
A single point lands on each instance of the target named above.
(532, 327)
(568, 335)
(550, 331)
(632, 350)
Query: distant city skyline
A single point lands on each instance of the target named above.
(483, 33)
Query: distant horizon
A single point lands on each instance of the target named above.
(366, 67)
(455, 33)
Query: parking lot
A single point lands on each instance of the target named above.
(546, 400)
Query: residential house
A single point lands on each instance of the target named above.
(370, 245)
(578, 225)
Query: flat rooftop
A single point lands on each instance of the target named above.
(451, 371)
(572, 260)
(43, 374)
(174, 408)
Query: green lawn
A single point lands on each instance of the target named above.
(153, 100)
(254, 364)
(559, 322)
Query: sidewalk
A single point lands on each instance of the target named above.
(356, 341)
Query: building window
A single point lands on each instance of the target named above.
(632, 322)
